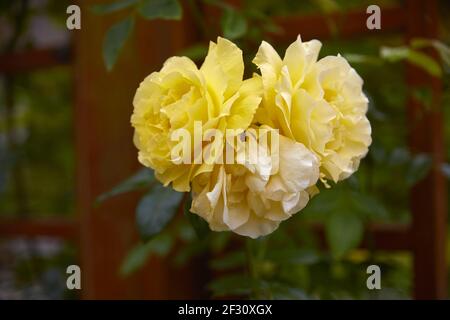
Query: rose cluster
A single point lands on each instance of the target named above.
(316, 106)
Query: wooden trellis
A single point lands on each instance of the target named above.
(105, 155)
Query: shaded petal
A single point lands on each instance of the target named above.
(269, 62)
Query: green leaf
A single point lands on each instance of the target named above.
(106, 8)
(446, 169)
(231, 285)
(114, 41)
(399, 156)
(229, 261)
(156, 209)
(394, 54)
(424, 95)
(425, 62)
(294, 256)
(195, 52)
(440, 47)
(368, 206)
(444, 51)
(322, 205)
(378, 153)
(141, 179)
(189, 251)
(233, 24)
(136, 258)
(219, 241)
(418, 168)
(420, 43)
(344, 231)
(362, 58)
(419, 59)
(162, 9)
(199, 225)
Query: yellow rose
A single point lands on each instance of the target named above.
(252, 199)
(318, 103)
(317, 106)
(181, 94)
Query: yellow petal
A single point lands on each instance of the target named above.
(300, 57)
(256, 227)
(223, 67)
(269, 62)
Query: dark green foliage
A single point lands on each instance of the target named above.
(106, 8)
(156, 209)
(115, 39)
(141, 179)
(234, 24)
(118, 33)
(160, 9)
(136, 258)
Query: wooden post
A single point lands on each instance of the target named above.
(106, 155)
(428, 198)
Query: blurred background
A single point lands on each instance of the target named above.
(70, 183)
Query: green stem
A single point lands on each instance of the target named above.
(255, 252)
(251, 268)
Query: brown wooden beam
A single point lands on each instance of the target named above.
(390, 237)
(428, 199)
(34, 60)
(352, 23)
(106, 155)
(65, 229)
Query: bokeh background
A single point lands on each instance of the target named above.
(66, 139)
